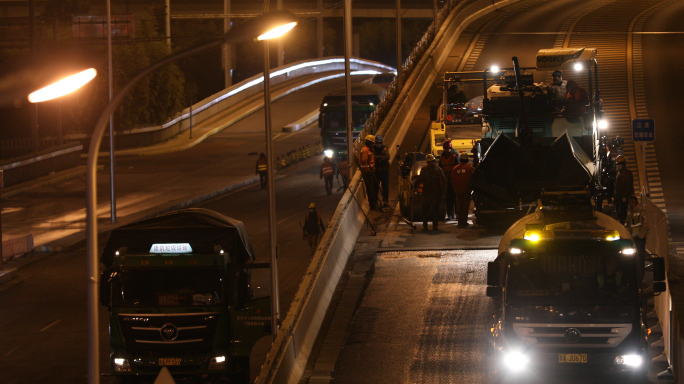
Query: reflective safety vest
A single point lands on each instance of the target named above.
(327, 169)
(367, 160)
(635, 220)
(262, 165)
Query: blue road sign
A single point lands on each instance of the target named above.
(643, 130)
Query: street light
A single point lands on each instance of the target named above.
(247, 31)
(283, 26)
(48, 92)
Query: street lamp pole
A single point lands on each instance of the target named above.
(272, 240)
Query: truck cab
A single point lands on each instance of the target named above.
(178, 289)
(569, 298)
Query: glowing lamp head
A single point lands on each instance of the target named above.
(277, 31)
(578, 67)
(63, 87)
(494, 69)
(516, 361)
(628, 251)
(328, 153)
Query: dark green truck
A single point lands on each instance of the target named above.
(178, 290)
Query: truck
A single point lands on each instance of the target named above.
(528, 140)
(332, 118)
(455, 119)
(179, 295)
(569, 296)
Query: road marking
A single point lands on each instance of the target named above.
(50, 325)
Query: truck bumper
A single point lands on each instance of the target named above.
(542, 367)
(134, 365)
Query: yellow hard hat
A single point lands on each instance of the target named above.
(370, 138)
(620, 159)
(312, 205)
(429, 158)
(463, 156)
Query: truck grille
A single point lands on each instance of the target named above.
(170, 332)
(572, 335)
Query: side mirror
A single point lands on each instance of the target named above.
(494, 291)
(493, 274)
(658, 269)
(434, 108)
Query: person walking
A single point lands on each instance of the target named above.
(382, 166)
(367, 165)
(637, 225)
(624, 188)
(262, 170)
(460, 178)
(313, 227)
(447, 161)
(434, 186)
(327, 174)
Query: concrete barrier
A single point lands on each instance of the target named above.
(41, 163)
(17, 247)
(303, 122)
(290, 351)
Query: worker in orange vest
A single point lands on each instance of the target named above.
(447, 161)
(313, 227)
(460, 180)
(262, 169)
(367, 165)
(327, 174)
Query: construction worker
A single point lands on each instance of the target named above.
(262, 169)
(313, 227)
(637, 225)
(434, 186)
(327, 173)
(382, 165)
(557, 91)
(367, 165)
(624, 187)
(447, 161)
(460, 179)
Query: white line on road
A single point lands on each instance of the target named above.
(50, 325)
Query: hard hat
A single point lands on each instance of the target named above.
(557, 72)
(446, 144)
(370, 138)
(429, 158)
(463, 156)
(312, 205)
(378, 139)
(620, 159)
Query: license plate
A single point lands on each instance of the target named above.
(572, 358)
(169, 361)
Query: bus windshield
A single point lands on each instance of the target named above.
(169, 287)
(572, 277)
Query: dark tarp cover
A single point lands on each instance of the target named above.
(202, 228)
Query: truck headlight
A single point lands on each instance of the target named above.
(121, 365)
(515, 360)
(629, 360)
(217, 363)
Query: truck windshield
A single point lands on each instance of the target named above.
(336, 120)
(169, 287)
(572, 279)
